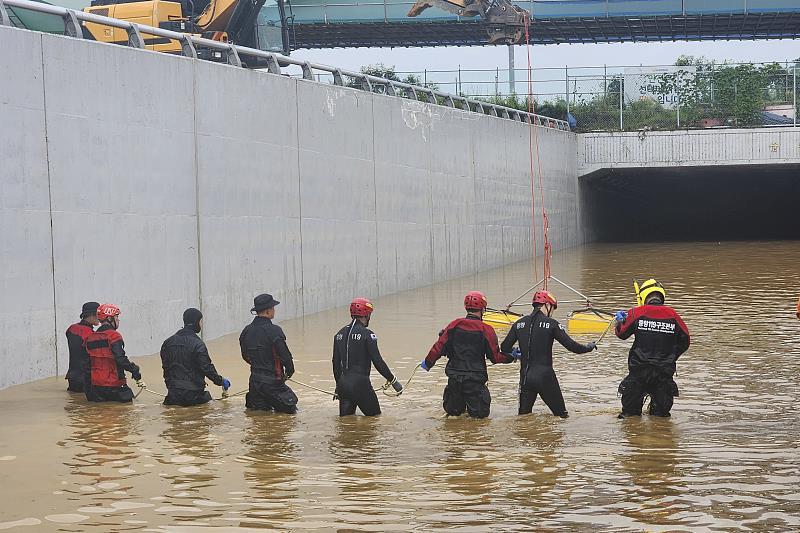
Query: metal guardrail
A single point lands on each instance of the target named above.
(232, 55)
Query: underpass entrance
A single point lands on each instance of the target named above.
(742, 202)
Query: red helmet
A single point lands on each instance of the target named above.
(107, 311)
(361, 307)
(475, 300)
(545, 297)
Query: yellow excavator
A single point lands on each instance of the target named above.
(220, 20)
(505, 21)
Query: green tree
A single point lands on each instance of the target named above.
(379, 70)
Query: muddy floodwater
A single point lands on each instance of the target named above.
(728, 458)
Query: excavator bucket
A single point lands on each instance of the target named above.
(456, 7)
(505, 22)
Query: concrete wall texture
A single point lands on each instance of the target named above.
(690, 148)
(159, 182)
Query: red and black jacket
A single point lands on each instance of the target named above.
(264, 348)
(661, 336)
(467, 343)
(107, 358)
(78, 358)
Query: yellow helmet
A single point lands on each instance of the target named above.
(646, 289)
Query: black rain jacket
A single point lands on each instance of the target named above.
(264, 348)
(186, 362)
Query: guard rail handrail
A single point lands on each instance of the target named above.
(232, 54)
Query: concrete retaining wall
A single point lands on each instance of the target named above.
(158, 182)
(712, 147)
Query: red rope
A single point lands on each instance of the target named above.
(533, 141)
(530, 154)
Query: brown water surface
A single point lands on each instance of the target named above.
(728, 459)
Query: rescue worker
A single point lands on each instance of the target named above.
(264, 348)
(535, 334)
(355, 350)
(661, 337)
(76, 336)
(186, 364)
(467, 342)
(107, 360)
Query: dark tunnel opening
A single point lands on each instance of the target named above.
(692, 203)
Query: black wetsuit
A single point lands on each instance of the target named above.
(186, 364)
(467, 343)
(661, 338)
(535, 334)
(355, 350)
(264, 348)
(78, 358)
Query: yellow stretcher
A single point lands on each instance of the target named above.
(580, 322)
(500, 320)
(587, 321)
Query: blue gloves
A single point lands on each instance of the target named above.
(592, 345)
(425, 366)
(620, 316)
(226, 384)
(515, 353)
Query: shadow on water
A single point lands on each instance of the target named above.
(271, 469)
(101, 436)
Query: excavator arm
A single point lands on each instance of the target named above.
(234, 17)
(505, 21)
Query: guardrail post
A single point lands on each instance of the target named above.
(390, 90)
(479, 108)
(5, 20)
(432, 97)
(337, 77)
(308, 74)
(449, 102)
(273, 67)
(187, 47)
(366, 85)
(232, 56)
(621, 123)
(72, 26)
(135, 39)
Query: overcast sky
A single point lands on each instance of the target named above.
(489, 57)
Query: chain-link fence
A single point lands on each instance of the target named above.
(692, 94)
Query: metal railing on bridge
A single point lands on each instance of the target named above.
(697, 94)
(274, 63)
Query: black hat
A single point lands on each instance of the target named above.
(263, 301)
(89, 308)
